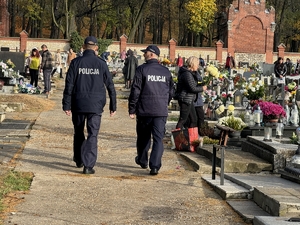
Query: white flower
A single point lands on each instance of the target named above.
(252, 89)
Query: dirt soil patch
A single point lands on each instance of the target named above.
(32, 103)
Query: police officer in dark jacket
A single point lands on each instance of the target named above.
(150, 95)
(85, 96)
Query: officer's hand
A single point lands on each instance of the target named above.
(132, 116)
(68, 112)
(112, 113)
(204, 88)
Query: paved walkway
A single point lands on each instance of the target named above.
(120, 192)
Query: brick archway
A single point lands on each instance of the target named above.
(250, 36)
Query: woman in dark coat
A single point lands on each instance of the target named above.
(280, 68)
(130, 66)
(187, 90)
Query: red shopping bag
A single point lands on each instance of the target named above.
(184, 139)
(181, 139)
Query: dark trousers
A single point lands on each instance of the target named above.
(145, 127)
(200, 117)
(47, 79)
(187, 111)
(34, 77)
(85, 150)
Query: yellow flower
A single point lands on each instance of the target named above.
(212, 70)
(220, 110)
(293, 92)
(10, 63)
(231, 108)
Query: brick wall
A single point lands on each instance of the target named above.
(250, 28)
(207, 53)
(250, 37)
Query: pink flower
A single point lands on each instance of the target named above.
(271, 109)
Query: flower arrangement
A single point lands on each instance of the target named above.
(235, 123)
(239, 81)
(254, 89)
(3, 66)
(225, 96)
(29, 89)
(290, 90)
(212, 72)
(165, 61)
(220, 109)
(271, 110)
(10, 64)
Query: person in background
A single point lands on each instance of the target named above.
(280, 68)
(46, 68)
(57, 59)
(33, 63)
(230, 62)
(80, 53)
(150, 95)
(179, 62)
(198, 103)
(188, 89)
(288, 64)
(130, 66)
(123, 55)
(84, 96)
(71, 56)
(104, 56)
(297, 67)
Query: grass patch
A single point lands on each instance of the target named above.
(10, 182)
(173, 118)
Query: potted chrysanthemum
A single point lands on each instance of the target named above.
(235, 123)
(271, 111)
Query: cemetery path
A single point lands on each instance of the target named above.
(120, 192)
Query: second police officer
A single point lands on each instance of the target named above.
(150, 95)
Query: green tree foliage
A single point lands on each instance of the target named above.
(77, 41)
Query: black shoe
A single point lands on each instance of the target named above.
(79, 165)
(154, 171)
(88, 170)
(142, 165)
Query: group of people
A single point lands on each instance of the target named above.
(282, 69)
(42, 62)
(151, 90)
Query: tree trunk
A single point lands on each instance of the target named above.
(12, 11)
(137, 21)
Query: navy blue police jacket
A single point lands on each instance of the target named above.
(86, 82)
(151, 90)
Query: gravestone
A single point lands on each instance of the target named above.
(267, 69)
(244, 64)
(18, 58)
(248, 74)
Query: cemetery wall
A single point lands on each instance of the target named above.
(207, 53)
